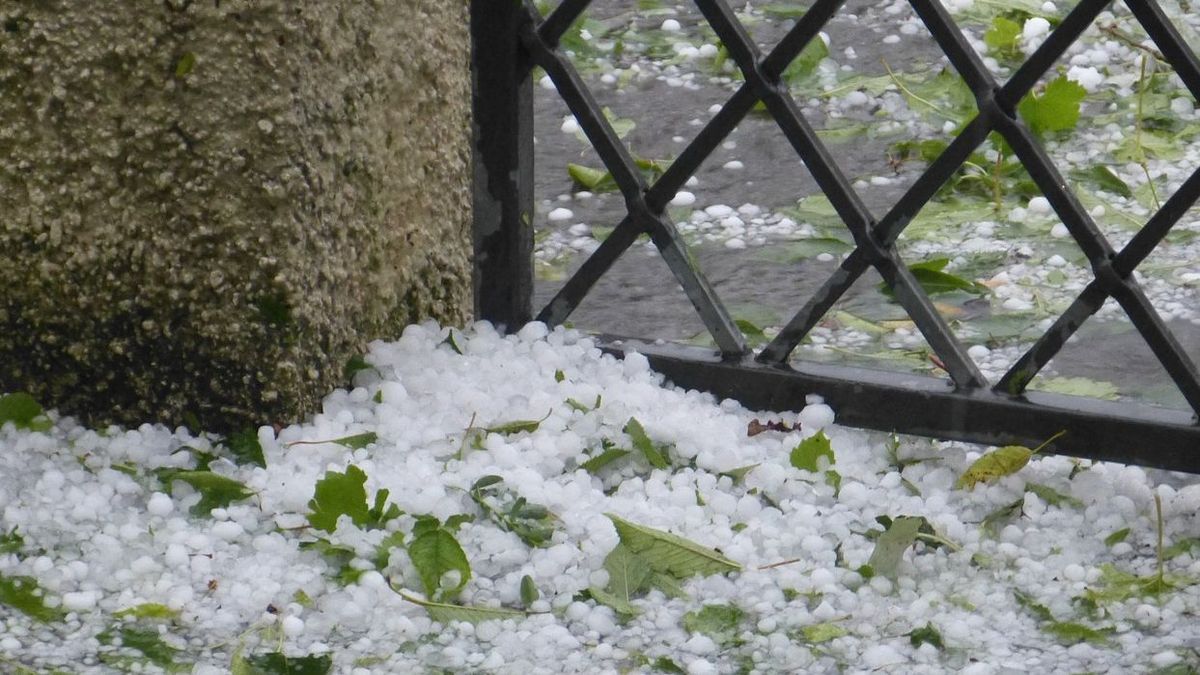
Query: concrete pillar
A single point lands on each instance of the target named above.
(208, 206)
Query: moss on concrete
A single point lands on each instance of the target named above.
(206, 207)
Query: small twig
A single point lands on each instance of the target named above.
(1112, 31)
(781, 563)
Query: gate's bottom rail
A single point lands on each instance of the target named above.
(914, 404)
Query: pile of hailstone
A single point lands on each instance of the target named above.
(693, 546)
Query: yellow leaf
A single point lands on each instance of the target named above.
(996, 464)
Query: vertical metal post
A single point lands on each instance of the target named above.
(503, 164)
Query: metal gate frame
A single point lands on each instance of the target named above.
(511, 38)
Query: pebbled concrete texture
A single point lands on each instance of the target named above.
(207, 207)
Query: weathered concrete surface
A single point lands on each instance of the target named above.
(207, 206)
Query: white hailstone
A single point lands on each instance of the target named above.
(733, 165)
(1056, 260)
(160, 505)
(292, 626)
(1049, 8)
(735, 244)
(671, 26)
(227, 530)
(1164, 659)
(880, 656)
(891, 39)
(560, 214)
(1087, 77)
(683, 198)
(1039, 205)
(702, 667)
(1147, 615)
(825, 257)
(1182, 105)
(708, 50)
(569, 124)
(79, 601)
(1034, 28)
(579, 230)
(816, 416)
(1059, 231)
(978, 352)
(1074, 572)
(719, 210)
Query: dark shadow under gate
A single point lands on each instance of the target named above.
(511, 38)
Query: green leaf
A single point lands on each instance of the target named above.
(184, 64)
(1056, 109)
(516, 426)
(926, 635)
(719, 622)
(615, 602)
(434, 553)
(559, 376)
(834, 480)
(807, 454)
(148, 610)
(339, 494)
(148, 641)
(1003, 37)
(529, 591)
(1104, 178)
(801, 70)
(739, 474)
(21, 409)
(642, 442)
(628, 575)
(1185, 545)
(216, 491)
(816, 633)
(993, 521)
(1069, 632)
(592, 180)
(1052, 496)
(1117, 537)
(1037, 609)
(12, 542)
(452, 343)
(245, 448)
(621, 126)
(1079, 386)
(666, 552)
(995, 465)
(276, 663)
(447, 613)
(24, 595)
(890, 548)
(353, 365)
(383, 552)
(665, 665)
(598, 462)
(931, 277)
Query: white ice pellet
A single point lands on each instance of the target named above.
(671, 26)
(978, 352)
(1059, 231)
(292, 626)
(560, 214)
(881, 656)
(79, 601)
(733, 165)
(160, 504)
(227, 530)
(816, 416)
(683, 198)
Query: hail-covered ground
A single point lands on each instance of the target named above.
(656, 534)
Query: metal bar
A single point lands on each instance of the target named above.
(1094, 295)
(559, 20)
(845, 200)
(887, 231)
(1172, 45)
(1161, 340)
(502, 101)
(913, 404)
(956, 48)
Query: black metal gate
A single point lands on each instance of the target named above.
(511, 38)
